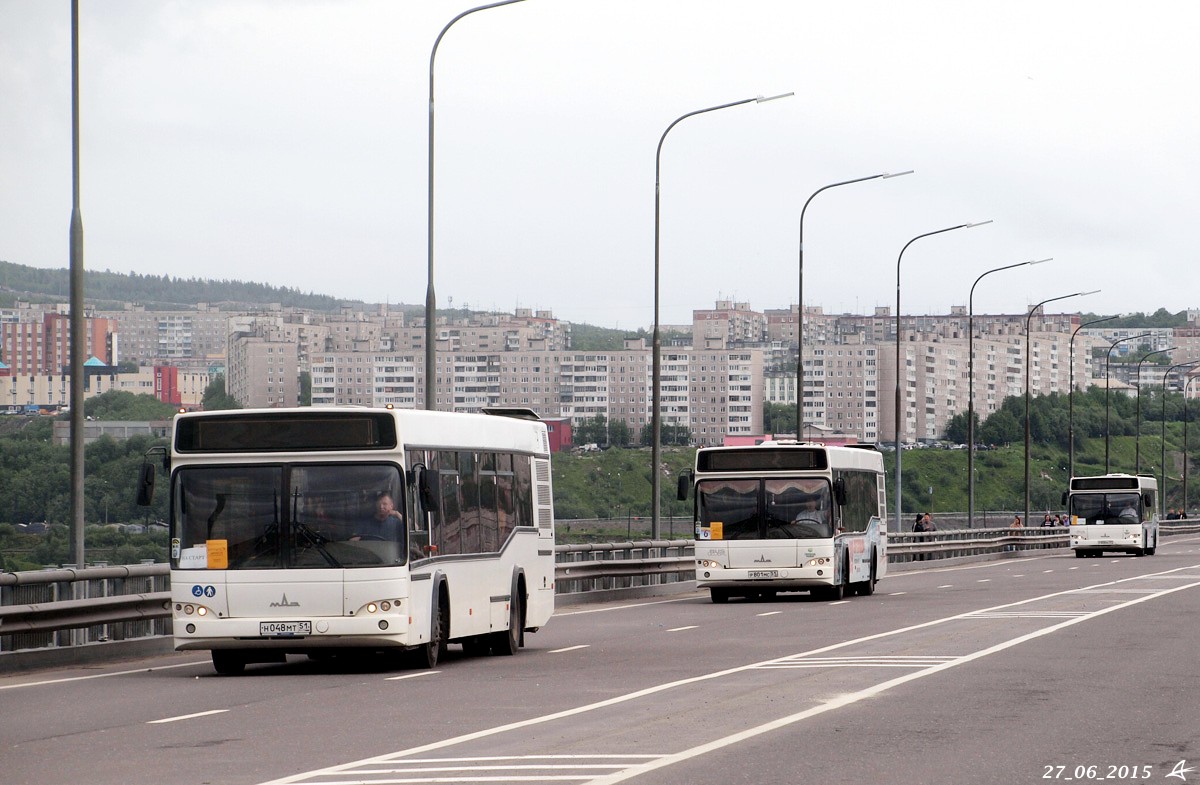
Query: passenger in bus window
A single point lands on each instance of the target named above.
(384, 524)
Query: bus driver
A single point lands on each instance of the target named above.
(385, 524)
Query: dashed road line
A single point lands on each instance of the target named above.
(187, 716)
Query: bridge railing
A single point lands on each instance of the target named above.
(70, 607)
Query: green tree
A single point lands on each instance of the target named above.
(676, 435)
(305, 388)
(619, 434)
(125, 406)
(593, 430)
(215, 396)
(1001, 428)
(779, 418)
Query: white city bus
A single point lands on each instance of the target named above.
(786, 516)
(1113, 512)
(282, 541)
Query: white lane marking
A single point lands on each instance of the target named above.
(984, 580)
(897, 593)
(883, 661)
(411, 675)
(625, 607)
(569, 648)
(946, 586)
(770, 613)
(654, 690)
(839, 602)
(855, 697)
(1029, 615)
(1046, 571)
(101, 675)
(187, 716)
(681, 629)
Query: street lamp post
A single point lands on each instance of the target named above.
(800, 300)
(78, 345)
(656, 349)
(1185, 447)
(1162, 491)
(896, 434)
(1028, 381)
(430, 297)
(971, 384)
(1108, 391)
(1071, 398)
(1137, 430)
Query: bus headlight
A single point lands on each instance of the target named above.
(189, 609)
(381, 606)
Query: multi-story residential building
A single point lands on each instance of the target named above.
(263, 368)
(166, 383)
(39, 341)
(179, 337)
(711, 392)
(730, 322)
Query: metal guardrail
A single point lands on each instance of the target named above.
(65, 607)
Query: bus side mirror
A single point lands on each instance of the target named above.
(685, 485)
(145, 486)
(1064, 500)
(429, 489)
(839, 491)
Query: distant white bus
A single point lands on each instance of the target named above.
(319, 530)
(783, 516)
(1113, 512)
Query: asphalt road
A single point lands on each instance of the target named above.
(1032, 669)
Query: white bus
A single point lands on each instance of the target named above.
(315, 530)
(783, 516)
(1113, 512)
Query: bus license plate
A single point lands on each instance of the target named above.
(762, 574)
(285, 628)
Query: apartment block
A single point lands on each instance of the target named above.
(39, 342)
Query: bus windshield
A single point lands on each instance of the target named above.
(775, 509)
(287, 516)
(1106, 507)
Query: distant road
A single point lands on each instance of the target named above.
(999, 672)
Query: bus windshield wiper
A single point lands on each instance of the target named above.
(317, 541)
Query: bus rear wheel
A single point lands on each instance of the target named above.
(506, 642)
(719, 595)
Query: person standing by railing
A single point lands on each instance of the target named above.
(1016, 524)
(924, 524)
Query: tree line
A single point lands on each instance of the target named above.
(154, 290)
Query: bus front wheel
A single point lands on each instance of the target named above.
(228, 662)
(428, 654)
(719, 595)
(867, 587)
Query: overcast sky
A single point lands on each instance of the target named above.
(285, 142)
